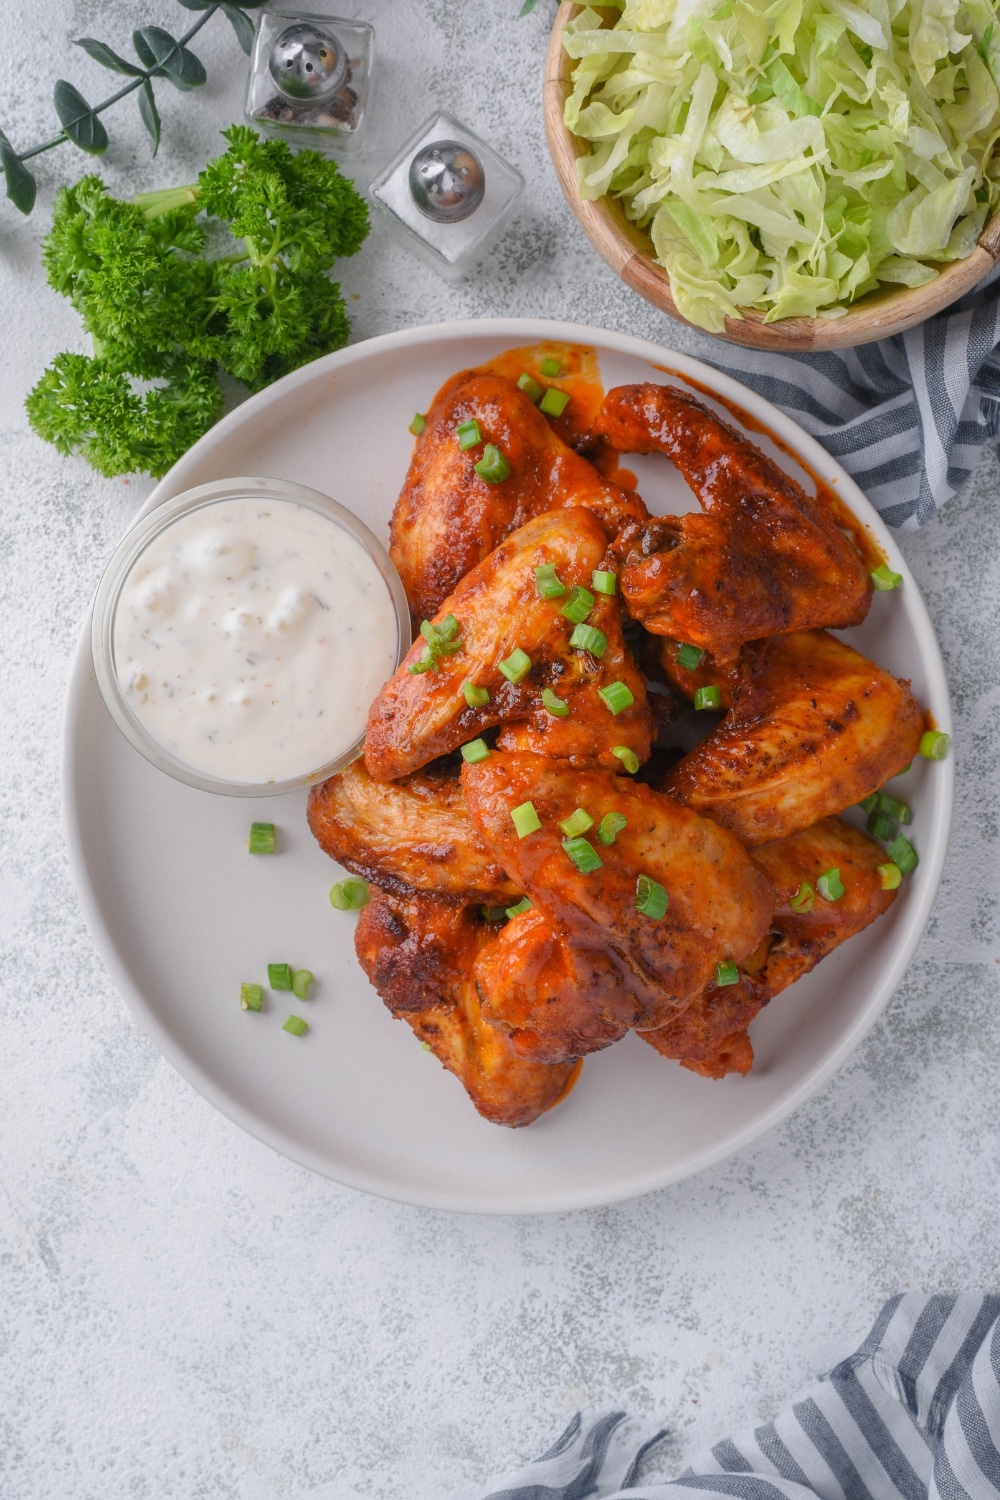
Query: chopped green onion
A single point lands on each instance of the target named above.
(418, 424)
(427, 1046)
(933, 744)
(903, 854)
(492, 467)
(515, 911)
(493, 913)
(617, 697)
(475, 751)
(475, 697)
(296, 1026)
(262, 838)
(589, 638)
(516, 666)
(577, 822)
(252, 996)
(441, 640)
(349, 895)
(708, 697)
(301, 980)
(894, 809)
(525, 819)
(830, 885)
(603, 582)
(584, 855)
(804, 899)
(869, 804)
(726, 972)
(548, 582)
(279, 976)
(554, 704)
(530, 387)
(650, 898)
(468, 434)
(909, 763)
(891, 876)
(881, 827)
(578, 605)
(628, 758)
(554, 402)
(550, 368)
(689, 657)
(885, 579)
(611, 826)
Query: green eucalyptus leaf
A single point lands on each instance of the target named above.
(150, 114)
(108, 59)
(242, 25)
(161, 53)
(21, 185)
(78, 120)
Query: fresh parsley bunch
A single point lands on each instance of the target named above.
(163, 318)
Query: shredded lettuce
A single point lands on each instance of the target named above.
(790, 155)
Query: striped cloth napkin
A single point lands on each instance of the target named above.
(913, 1415)
(907, 417)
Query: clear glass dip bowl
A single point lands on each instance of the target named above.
(125, 559)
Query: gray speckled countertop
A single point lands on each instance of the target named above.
(185, 1314)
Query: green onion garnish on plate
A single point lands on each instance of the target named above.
(726, 972)
(301, 981)
(296, 1026)
(603, 581)
(530, 387)
(349, 895)
(554, 402)
(579, 604)
(689, 657)
(885, 579)
(515, 911)
(583, 854)
(468, 434)
(934, 744)
(707, 697)
(589, 638)
(252, 996)
(903, 854)
(475, 751)
(611, 826)
(279, 976)
(418, 424)
(803, 900)
(617, 696)
(556, 706)
(577, 822)
(550, 368)
(830, 886)
(628, 757)
(516, 666)
(475, 697)
(262, 838)
(891, 876)
(525, 819)
(548, 582)
(493, 466)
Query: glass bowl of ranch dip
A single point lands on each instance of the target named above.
(241, 631)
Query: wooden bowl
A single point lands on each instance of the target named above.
(629, 252)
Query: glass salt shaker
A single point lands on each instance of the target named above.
(447, 194)
(310, 77)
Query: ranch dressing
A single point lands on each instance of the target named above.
(250, 637)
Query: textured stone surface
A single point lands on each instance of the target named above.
(184, 1314)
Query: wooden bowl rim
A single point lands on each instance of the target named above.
(627, 250)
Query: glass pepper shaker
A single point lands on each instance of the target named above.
(310, 78)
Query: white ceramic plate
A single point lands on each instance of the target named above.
(182, 914)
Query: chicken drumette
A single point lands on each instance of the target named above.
(419, 953)
(763, 557)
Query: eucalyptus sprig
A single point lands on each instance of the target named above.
(160, 56)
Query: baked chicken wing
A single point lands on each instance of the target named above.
(814, 728)
(419, 954)
(763, 557)
(629, 967)
(710, 1036)
(422, 714)
(408, 834)
(447, 518)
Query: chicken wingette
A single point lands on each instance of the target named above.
(448, 518)
(630, 966)
(814, 728)
(419, 954)
(762, 558)
(499, 617)
(710, 1036)
(409, 834)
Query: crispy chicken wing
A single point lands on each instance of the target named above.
(447, 518)
(710, 1036)
(764, 558)
(420, 715)
(626, 968)
(419, 954)
(815, 727)
(414, 833)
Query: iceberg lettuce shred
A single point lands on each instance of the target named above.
(790, 155)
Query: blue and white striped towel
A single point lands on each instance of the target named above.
(907, 417)
(913, 1415)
